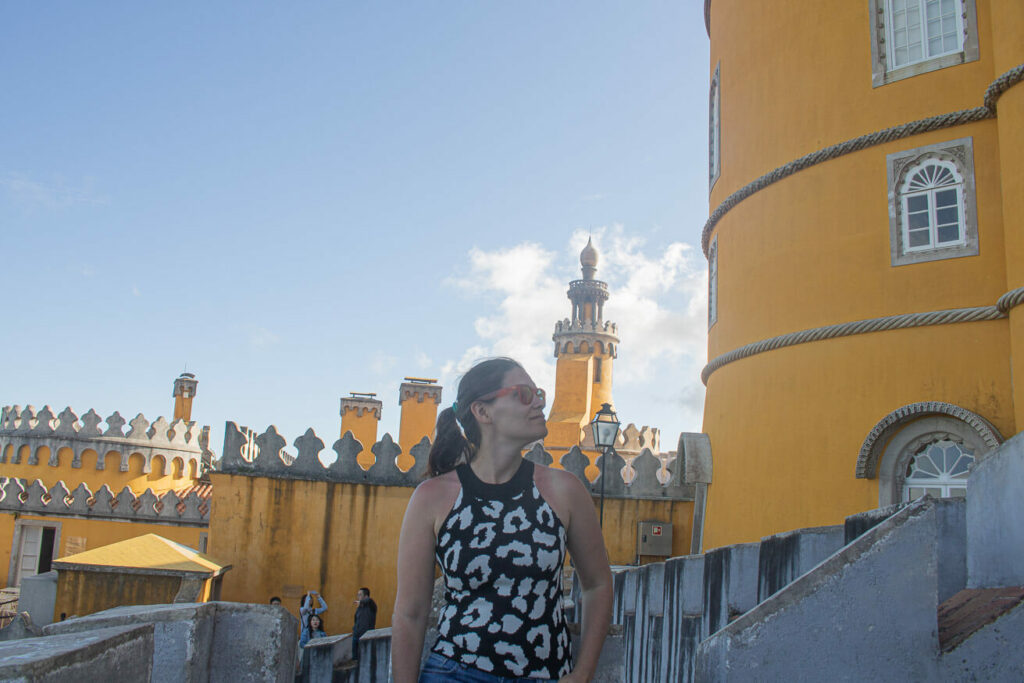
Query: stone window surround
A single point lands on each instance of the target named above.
(715, 128)
(880, 75)
(911, 439)
(19, 525)
(961, 153)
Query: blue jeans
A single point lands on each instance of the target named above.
(440, 669)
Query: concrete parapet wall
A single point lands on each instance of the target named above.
(801, 628)
(108, 654)
(995, 518)
(785, 556)
(19, 428)
(213, 641)
(34, 498)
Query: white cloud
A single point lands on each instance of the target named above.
(658, 299)
(422, 360)
(261, 337)
(381, 363)
(32, 192)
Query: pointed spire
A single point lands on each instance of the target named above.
(588, 259)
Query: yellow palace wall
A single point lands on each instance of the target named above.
(95, 532)
(813, 249)
(80, 593)
(286, 536)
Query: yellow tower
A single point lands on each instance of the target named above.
(865, 250)
(360, 414)
(585, 346)
(184, 392)
(418, 398)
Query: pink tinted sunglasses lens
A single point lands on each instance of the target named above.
(526, 394)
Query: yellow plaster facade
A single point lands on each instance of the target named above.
(822, 247)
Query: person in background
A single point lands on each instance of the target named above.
(306, 608)
(275, 600)
(314, 629)
(365, 620)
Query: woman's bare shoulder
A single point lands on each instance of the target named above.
(437, 494)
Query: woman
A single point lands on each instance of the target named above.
(313, 629)
(306, 608)
(498, 526)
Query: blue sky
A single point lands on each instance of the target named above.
(298, 201)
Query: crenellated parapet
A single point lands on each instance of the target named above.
(643, 476)
(18, 495)
(24, 433)
(631, 440)
(566, 326)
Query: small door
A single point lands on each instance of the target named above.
(36, 553)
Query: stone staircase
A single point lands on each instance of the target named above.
(916, 591)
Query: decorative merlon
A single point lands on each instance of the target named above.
(361, 404)
(33, 498)
(420, 392)
(643, 476)
(37, 429)
(567, 326)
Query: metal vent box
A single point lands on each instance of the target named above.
(654, 538)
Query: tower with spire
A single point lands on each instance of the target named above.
(585, 346)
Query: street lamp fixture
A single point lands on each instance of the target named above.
(606, 428)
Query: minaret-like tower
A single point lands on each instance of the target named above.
(184, 392)
(585, 347)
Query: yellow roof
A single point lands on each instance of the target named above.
(150, 552)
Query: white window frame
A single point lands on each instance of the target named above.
(713, 282)
(883, 42)
(958, 157)
(715, 128)
(930, 194)
(944, 485)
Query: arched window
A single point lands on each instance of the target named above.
(925, 447)
(939, 469)
(933, 206)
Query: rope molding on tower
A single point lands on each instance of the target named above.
(956, 118)
(1007, 301)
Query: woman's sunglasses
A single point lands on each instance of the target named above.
(524, 392)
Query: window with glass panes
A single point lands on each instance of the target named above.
(923, 29)
(939, 469)
(932, 196)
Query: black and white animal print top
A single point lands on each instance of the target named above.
(501, 550)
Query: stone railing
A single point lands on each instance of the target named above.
(186, 441)
(645, 476)
(170, 508)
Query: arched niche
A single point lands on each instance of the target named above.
(907, 431)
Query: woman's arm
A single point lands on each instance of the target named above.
(586, 543)
(323, 605)
(415, 582)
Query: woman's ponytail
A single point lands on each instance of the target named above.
(449, 445)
